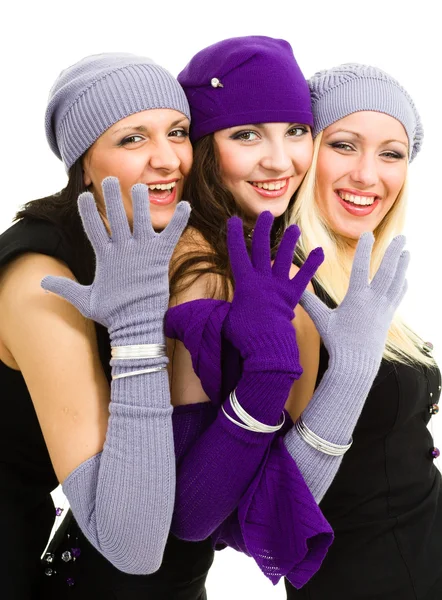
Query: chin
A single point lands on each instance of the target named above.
(277, 210)
(162, 217)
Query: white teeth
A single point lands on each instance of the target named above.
(271, 186)
(360, 200)
(162, 186)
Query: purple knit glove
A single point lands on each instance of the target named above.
(265, 296)
(130, 292)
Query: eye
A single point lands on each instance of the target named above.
(342, 146)
(298, 131)
(392, 155)
(131, 139)
(179, 133)
(245, 136)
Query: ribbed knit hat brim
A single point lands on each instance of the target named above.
(91, 96)
(344, 90)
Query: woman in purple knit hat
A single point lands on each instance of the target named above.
(237, 482)
(385, 501)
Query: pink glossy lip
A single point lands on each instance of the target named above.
(271, 193)
(162, 181)
(354, 209)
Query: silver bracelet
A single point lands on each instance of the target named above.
(248, 422)
(319, 443)
(138, 351)
(141, 372)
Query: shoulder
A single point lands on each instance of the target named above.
(32, 235)
(193, 252)
(24, 303)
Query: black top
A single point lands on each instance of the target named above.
(27, 478)
(385, 503)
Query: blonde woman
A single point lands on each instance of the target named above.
(385, 503)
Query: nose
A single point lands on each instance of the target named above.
(276, 157)
(163, 157)
(365, 171)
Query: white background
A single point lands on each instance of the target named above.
(39, 39)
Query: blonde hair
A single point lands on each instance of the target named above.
(402, 345)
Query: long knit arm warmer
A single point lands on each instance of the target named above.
(354, 334)
(215, 473)
(297, 536)
(345, 387)
(122, 498)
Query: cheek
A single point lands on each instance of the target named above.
(185, 156)
(234, 165)
(329, 170)
(302, 157)
(395, 183)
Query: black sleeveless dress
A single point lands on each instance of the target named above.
(385, 503)
(74, 569)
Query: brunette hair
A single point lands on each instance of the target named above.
(61, 210)
(212, 205)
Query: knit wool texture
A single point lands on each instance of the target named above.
(349, 88)
(239, 485)
(122, 498)
(96, 92)
(354, 334)
(261, 83)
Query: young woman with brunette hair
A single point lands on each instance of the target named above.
(251, 153)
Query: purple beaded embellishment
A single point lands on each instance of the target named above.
(59, 511)
(70, 581)
(75, 552)
(435, 452)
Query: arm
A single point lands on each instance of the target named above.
(354, 334)
(121, 493)
(213, 475)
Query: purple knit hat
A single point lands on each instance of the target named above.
(252, 79)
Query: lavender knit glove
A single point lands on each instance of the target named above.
(354, 335)
(122, 498)
(130, 292)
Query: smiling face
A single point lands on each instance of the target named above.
(263, 165)
(361, 169)
(150, 147)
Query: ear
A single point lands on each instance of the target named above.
(86, 177)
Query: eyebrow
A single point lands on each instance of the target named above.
(143, 128)
(358, 135)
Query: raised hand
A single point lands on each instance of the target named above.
(130, 291)
(361, 322)
(265, 296)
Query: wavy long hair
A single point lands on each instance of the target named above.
(403, 345)
(212, 205)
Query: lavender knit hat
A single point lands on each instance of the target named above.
(99, 90)
(252, 79)
(349, 88)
